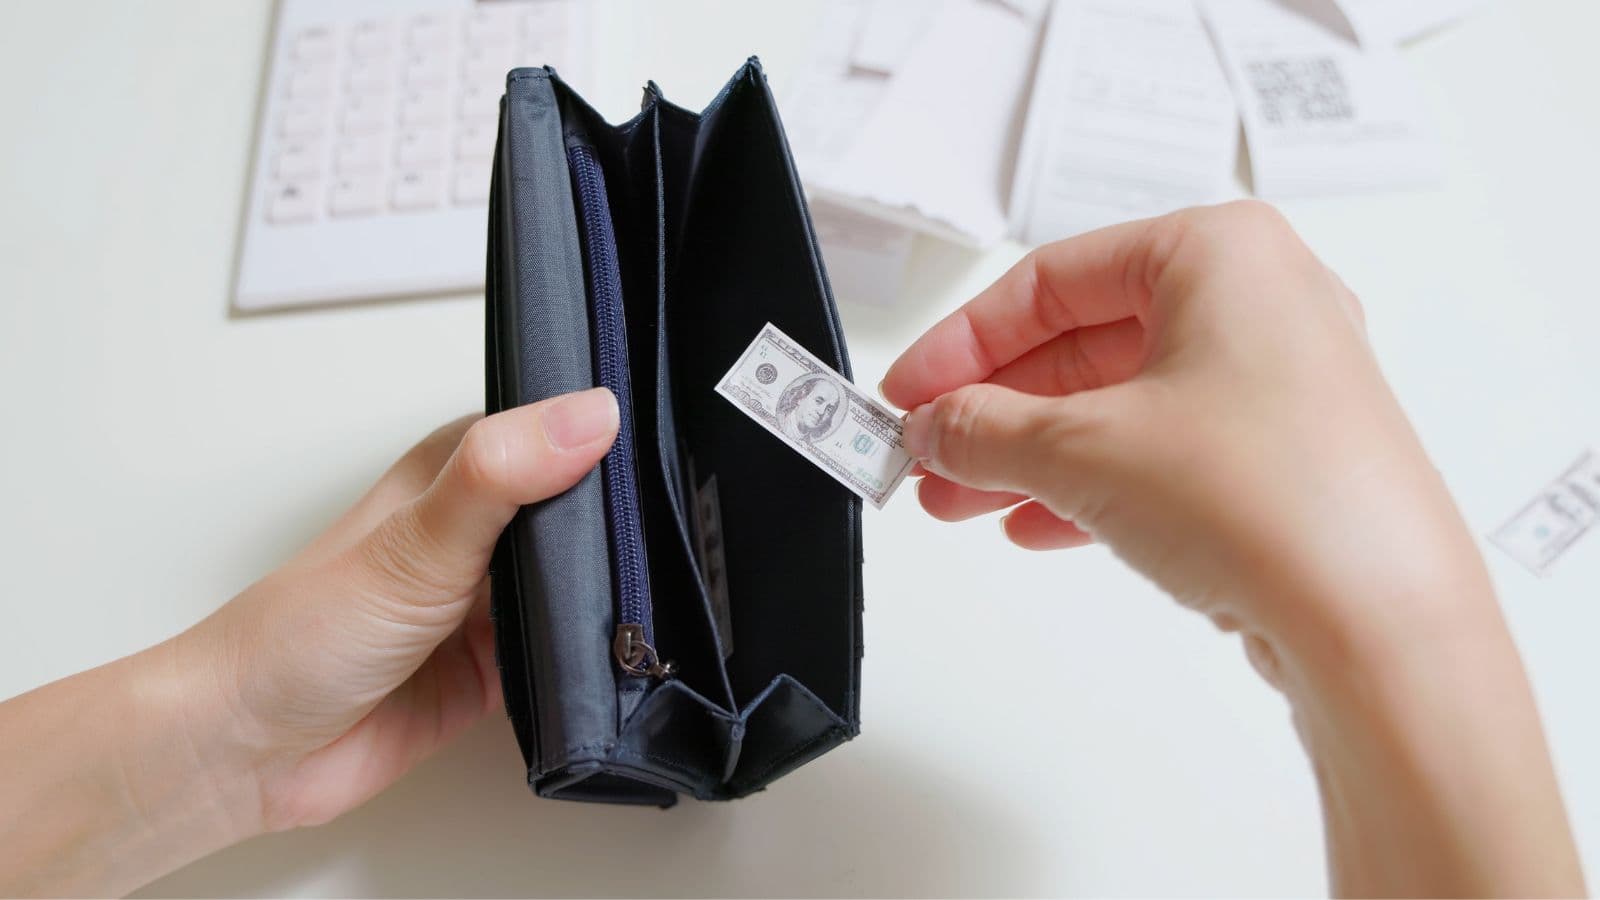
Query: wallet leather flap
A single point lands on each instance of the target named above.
(551, 564)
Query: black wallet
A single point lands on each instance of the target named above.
(687, 619)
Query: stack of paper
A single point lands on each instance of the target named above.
(1131, 116)
(910, 116)
(956, 119)
(826, 107)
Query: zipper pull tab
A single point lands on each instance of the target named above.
(637, 657)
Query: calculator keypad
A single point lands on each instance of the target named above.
(399, 115)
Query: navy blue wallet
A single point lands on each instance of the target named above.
(687, 619)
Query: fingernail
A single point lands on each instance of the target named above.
(918, 435)
(578, 420)
(880, 391)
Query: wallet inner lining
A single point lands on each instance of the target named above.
(739, 254)
(712, 245)
(682, 631)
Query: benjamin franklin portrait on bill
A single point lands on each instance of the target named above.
(811, 407)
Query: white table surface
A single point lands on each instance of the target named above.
(1032, 724)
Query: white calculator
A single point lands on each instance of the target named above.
(377, 129)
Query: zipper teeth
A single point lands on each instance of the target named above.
(611, 364)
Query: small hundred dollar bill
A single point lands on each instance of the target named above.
(820, 414)
(1567, 509)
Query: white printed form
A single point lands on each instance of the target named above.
(823, 113)
(830, 100)
(936, 152)
(1322, 115)
(1131, 117)
(888, 31)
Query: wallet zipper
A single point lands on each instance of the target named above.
(633, 644)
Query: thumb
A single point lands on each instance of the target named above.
(435, 548)
(993, 438)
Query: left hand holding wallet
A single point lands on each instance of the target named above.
(302, 697)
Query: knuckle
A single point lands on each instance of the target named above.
(421, 464)
(1226, 227)
(1069, 420)
(1240, 241)
(480, 459)
(1255, 224)
(959, 415)
(1054, 315)
(442, 440)
(1352, 302)
(1078, 426)
(1180, 220)
(1357, 310)
(1257, 215)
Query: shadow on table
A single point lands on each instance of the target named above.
(860, 822)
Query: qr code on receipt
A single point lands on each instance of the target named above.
(1301, 91)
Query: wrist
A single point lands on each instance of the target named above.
(1373, 566)
(199, 759)
(116, 777)
(1364, 633)
(1427, 746)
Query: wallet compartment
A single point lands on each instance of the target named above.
(710, 240)
(740, 254)
(678, 620)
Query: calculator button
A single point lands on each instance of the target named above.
(363, 115)
(471, 187)
(475, 143)
(312, 45)
(419, 148)
(479, 103)
(367, 77)
(360, 154)
(427, 34)
(481, 65)
(298, 159)
(301, 120)
(491, 26)
(310, 83)
(371, 40)
(356, 195)
(292, 202)
(485, 77)
(426, 70)
(429, 107)
(415, 189)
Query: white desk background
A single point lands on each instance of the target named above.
(1032, 724)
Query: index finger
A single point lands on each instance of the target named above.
(1092, 279)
